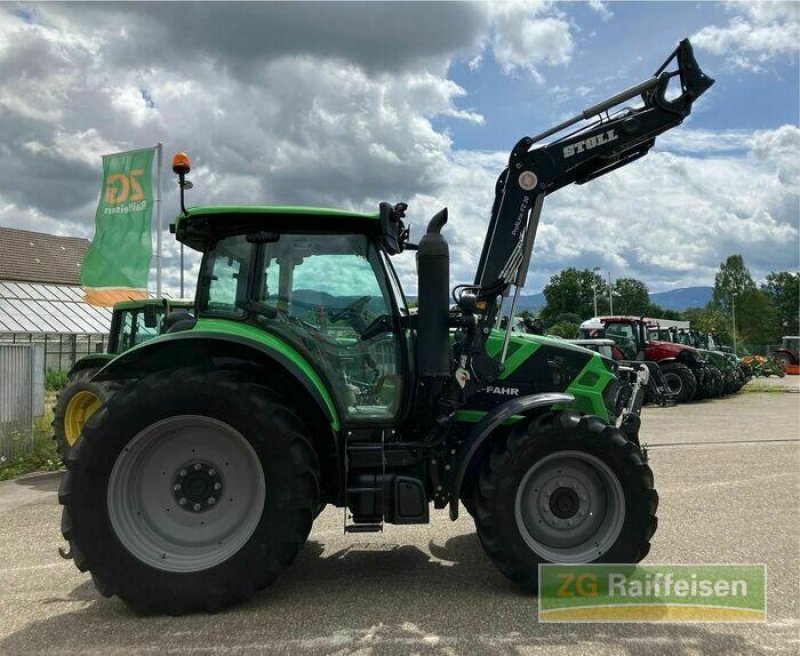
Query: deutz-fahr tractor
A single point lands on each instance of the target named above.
(683, 369)
(132, 323)
(304, 380)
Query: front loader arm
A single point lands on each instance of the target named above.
(533, 172)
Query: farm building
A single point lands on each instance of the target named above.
(41, 300)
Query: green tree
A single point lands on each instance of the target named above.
(733, 278)
(657, 312)
(757, 319)
(709, 319)
(783, 290)
(632, 297)
(570, 291)
(565, 329)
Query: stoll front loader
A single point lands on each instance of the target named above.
(304, 380)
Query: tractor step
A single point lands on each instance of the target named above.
(353, 489)
(363, 528)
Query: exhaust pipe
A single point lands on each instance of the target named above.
(433, 279)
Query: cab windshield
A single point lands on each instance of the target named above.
(328, 295)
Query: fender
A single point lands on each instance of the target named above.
(93, 361)
(484, 428)
(198, 346)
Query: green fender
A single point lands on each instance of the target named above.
(214, 337)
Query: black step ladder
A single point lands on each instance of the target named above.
(350, 489)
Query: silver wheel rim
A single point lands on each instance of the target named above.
(186, 493)
(570, 507)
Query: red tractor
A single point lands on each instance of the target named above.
(788, 355)
(682, 366)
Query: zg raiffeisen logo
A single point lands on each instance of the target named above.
(652, 593)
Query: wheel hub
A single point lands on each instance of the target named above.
(564, 503)
(197, 487)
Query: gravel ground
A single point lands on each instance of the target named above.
(727, 474)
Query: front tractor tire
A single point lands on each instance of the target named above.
(189, 491)
(681, 381)
(78, 400)
(713, 385)
(566, 489)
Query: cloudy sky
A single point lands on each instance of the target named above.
(345, 105)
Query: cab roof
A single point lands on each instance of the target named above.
(203, 224)
(138, 304)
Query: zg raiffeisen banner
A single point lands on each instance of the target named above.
(117, 264)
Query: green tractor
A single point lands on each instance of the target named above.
(733, 376)
(132, 323)
(305, 380)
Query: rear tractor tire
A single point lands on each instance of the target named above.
(569, 490)
(78, 400)
(189, 491)
(681, 381)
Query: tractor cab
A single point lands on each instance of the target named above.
(135, 322)
(320, 281)
(630, 334)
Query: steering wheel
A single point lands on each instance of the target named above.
(348, 311)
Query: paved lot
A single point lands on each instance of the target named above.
(727, 473)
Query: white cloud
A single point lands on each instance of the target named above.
(668, 219)
(349, 123)
(529, 35)
(757, 34)
(602, 8)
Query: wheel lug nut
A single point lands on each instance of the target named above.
(182, 473)
(182, 501)
(211, 501)
(196, 507)
(176, 487)
(212, 472)
(217, 486)
(197, 466)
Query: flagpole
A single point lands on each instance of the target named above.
(160, 149)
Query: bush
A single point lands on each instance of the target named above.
(54, 380)
(44, 457)
(564, 329)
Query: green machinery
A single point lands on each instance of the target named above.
(132, 323)
(305, 380)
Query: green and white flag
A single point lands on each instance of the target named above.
(117, 264)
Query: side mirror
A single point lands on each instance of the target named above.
(150, 316)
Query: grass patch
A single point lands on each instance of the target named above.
(766, 388)
(44, 457)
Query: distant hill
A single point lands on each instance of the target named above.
(674, 299)
(684, 298)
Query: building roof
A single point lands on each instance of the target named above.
(38, 257)
(37, 308)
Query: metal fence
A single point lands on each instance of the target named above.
(21, 396)
(61, 351)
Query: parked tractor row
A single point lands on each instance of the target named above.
(692, 364)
